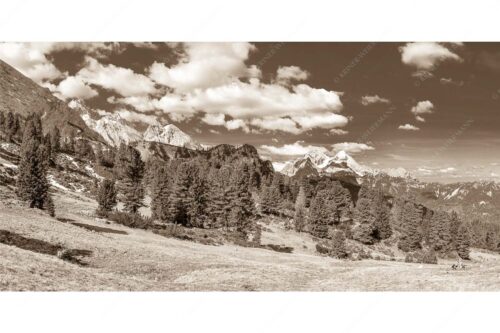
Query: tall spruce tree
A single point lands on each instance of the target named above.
(180, 199)
(106, 197)
(440, 237)
(411, 236)
(160, 192)
(32, 185)
(55, 140)
(243, 208)
(299, 219)
(319, 215)
(198, 210)
(462, 242)
(364, 219)
(133, 190)
(382, 224)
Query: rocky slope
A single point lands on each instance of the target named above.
(21, 95)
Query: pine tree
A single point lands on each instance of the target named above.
(32, 183)
(55, 140)
(198, 205)
(49, 206)
(180, 199)
(463, 242)
(440, 237)
(411, 236)
(338, 245)
(133, 191)
(364, 218)
(454, 226)
(319, 215)
(299, 219)
(382, 217)
(243, 208)
(9, 126)
(160, 193)
(106, 197)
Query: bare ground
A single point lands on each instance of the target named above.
(140, 260)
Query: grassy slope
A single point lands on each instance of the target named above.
(141, 260)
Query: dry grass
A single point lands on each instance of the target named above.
(142, 260)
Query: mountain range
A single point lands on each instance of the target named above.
(21, 95)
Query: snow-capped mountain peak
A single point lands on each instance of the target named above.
(170, 134)
(115, 130)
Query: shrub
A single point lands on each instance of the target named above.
(422, 257)
(321, 248)
(278, 248)
(131, 220)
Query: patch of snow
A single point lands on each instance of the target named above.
(54, 183)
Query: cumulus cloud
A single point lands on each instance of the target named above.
(422, 107)
(351, 147)
(408, 127)
(367, 100)
(450, 82)
(267, 106)
(338, 131)
(122, 80)
(286, 74)
(73, 87)
(135, 117)
(204, 65)
(294, 149)
(30, 59)
(426, 56)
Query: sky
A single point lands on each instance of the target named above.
(431, 108)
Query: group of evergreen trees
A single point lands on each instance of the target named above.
(194, 194)
(11, 126)
(32, 184)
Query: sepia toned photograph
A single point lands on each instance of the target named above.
(249, 166)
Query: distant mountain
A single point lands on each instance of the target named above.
(171, 135)
(115, 130)
(318, 163)
(21, 95)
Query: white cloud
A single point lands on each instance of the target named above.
(74, 87)
(423, 107)
(351, 147)
(122, 80)
(426, 56)
(277, 124)
(215, 119)
(30, 60)
(286, 74)
(236, 124)
(450, 82)
(448, 170)
(338, 131)
(137, 117)
(294, 149)
(408, 127)
(205, 65)
(268, 106)
(367, 100)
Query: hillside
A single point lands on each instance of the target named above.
(141, 260)
(21, 95)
